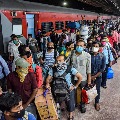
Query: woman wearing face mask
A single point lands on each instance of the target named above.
(98, 63)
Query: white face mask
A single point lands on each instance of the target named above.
(94, 49)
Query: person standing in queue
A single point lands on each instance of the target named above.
(98, 64)
(61, 68)
(105, 49)
(81, 60)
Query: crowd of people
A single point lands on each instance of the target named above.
(77, 57)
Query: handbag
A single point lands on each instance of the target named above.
(89, 93)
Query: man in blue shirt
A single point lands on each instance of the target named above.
(11, 106)
(109, 58)
(4, 71)
(98, 64)
(60, 70)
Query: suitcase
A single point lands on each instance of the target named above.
(45, 105)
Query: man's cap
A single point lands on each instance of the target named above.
(21, 62)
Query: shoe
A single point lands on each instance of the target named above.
(71, 118)
(104, 87)
(97, 106)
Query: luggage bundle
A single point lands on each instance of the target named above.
(85, 96)
(110, 73)
(74, 25)
(45, 105)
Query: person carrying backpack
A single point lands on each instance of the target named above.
(98, 64)
(62, 84)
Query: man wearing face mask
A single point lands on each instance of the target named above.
(14, 53)
(11, 106)
(98, 64)
(89, 44)
(48, 57)
(44, 41)
(61, 69)
(81, 60)
(24, 84)
(33, 45)
(25, 53)
(109, 58)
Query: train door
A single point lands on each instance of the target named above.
(30, 22)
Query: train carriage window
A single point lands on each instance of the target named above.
(66, 24)
(47, 26)
(59, 25)
(80, 21)
(17, 26)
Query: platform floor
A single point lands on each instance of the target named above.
(110, 101)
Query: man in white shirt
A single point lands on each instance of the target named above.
(13, 50)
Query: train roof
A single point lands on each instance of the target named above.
(38, 7)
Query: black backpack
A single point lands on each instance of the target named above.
(59, 87)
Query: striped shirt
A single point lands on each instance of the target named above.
(49, 59)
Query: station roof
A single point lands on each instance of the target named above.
(111, 7)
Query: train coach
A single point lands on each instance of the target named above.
(23, 18)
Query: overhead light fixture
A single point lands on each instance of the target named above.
(65, 3)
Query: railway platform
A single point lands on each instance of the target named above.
(109, 102)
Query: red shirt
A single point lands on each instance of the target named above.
(111, 40)
(24, 89)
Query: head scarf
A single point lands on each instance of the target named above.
(22, 72)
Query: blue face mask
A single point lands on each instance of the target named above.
(79, 49)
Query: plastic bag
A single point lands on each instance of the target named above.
(91, 93)
(110, 73)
